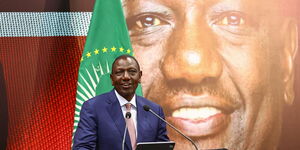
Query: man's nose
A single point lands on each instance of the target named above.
(126, 75)
(193, 54)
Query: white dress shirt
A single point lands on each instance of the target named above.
(133, 110)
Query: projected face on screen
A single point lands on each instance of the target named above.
(221, 69)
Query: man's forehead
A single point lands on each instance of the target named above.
(258, 3)
(128, 61)
(124, 60)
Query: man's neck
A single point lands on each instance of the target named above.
(127, 98)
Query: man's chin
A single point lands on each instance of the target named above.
(201, 127)
(207, 134)
(208, 142)
(126, 92)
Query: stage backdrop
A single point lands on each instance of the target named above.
(41, 42)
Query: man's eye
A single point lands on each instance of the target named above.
(118, 73)
(234, 22)
(232, 19)
(132, 72)
(147, 21)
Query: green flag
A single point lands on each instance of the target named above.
(107, 39)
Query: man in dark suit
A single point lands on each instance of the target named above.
(102, 118)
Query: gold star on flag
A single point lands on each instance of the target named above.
(121, 49)
(113, 49)
(81, 59)
(104, 50)
(128, 51)
(96, 51)
(88, 54)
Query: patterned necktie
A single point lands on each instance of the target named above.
(131, 128)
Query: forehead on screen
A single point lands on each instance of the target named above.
(285, 7)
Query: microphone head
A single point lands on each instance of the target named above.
(128, 115)
(146, 107)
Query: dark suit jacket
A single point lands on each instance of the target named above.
(102, 124)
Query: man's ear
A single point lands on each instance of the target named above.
(290, 33)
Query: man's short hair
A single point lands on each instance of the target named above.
(123, 57)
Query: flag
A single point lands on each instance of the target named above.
(107, 39)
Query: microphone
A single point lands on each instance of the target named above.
(147, 108)
(127, 116)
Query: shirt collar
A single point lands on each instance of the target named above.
(123, 101)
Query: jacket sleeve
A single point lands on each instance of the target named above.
(86, 134)
(162, 130)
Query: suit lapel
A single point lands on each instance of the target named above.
(141, 119)
(116, 114)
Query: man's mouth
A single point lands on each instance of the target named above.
(200, 116)
(195, 113)
(126, 85)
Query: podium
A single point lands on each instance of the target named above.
(156, 145)
(162, 146)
